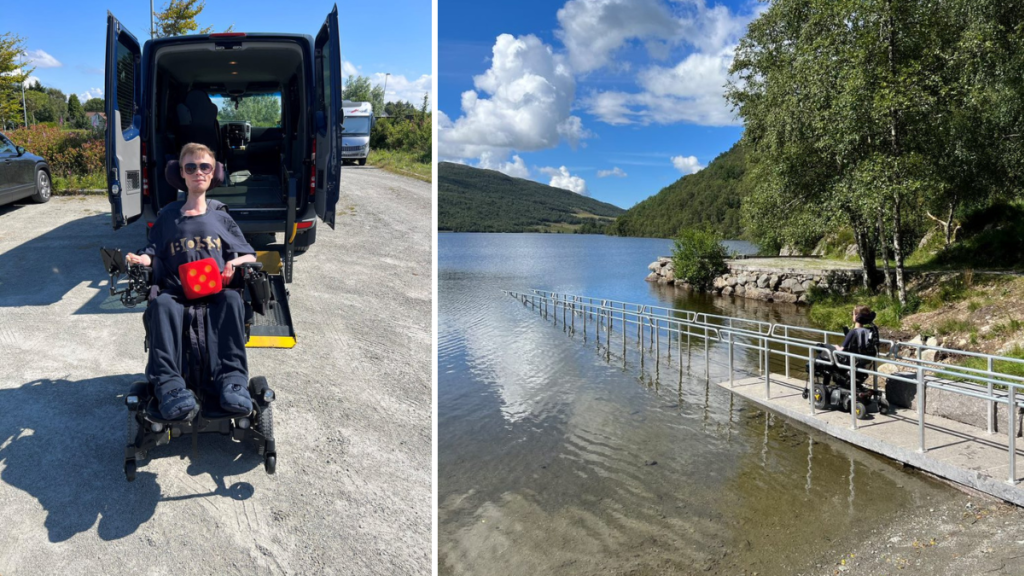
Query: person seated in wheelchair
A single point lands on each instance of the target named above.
(862, 339)
(184, 232)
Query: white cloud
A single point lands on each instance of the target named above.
(40, 59)
(31, 80)
(592, 30)
(560, 178)
(690, 91)
(400, 88)
(348, 69)
(616, 172)
(516, 168)
(687, 164)
(90, 93)
(521, 103)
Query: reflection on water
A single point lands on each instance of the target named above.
(561, 454)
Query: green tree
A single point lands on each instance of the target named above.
(870, 111)
(698, 256)
(94, 105)
(75, 112)
(178, 18)
(357, 89)
(58, 104)
(263, 111)
(12, 75)
(39, 107)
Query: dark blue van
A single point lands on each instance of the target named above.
(280, 175)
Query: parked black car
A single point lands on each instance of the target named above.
(22, 175)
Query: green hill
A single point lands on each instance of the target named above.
(712, 195)
(476, 200)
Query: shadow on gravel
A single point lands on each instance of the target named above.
(43, 270)
(62, 442)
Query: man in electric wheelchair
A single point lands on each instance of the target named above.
(196, 265)
(832, 372)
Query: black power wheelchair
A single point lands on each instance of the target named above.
(146, 428)
(831, 386)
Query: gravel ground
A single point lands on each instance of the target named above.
(352, 493)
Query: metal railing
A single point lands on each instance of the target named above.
(787, 342)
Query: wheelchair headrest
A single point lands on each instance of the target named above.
(172, 173)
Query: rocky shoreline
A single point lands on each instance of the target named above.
(764, 281)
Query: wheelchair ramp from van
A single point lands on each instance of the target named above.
(273, 329)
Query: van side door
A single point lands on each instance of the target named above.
(328, 117)
(124, 100)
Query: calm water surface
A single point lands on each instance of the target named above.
(554, 459)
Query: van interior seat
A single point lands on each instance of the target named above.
(197, 121)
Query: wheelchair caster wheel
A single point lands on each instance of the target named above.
(270, 463)
(862, 411)
(129, 470)
(884, 408)
(821, 398)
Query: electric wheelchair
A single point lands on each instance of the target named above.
(146, 428)
(831, 386)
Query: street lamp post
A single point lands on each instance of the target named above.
(386, 74)
(24, 109)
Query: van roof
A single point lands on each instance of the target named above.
(248, 36)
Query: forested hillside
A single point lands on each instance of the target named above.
(476, 200)
(712, 195)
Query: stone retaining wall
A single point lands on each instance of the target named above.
(767, 284)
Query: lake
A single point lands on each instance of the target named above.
(555, 459)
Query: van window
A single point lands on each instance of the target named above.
(125, 85)
(260, 110)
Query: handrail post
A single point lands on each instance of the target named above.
(767, 370)
(810, 377)
(920, 406)
(732, 378)
(991, 407)
(1011, 409)
(853, 392)
(785, 331)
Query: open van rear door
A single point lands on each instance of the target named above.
(329, 117)
(123, 94)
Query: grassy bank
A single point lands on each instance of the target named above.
(403, 163)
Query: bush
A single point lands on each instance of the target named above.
(699, 256)
(413, 136)
(68, 152)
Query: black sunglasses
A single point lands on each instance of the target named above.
(205, 168)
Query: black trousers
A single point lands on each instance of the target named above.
(225, 338)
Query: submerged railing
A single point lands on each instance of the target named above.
(787, 342)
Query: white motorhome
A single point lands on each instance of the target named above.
(355, 133)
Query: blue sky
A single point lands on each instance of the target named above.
(67, 39)
(612, 98)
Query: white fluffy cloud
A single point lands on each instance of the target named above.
(348, 69)
(90, 93)
(616, 172)
(400, 88)
(687, 164)
(561, 178)
(690, 91)
(31, 80)
(592, 30)
(40, 59)
(516, 168)
(521, 103)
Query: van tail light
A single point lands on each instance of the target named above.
(312, 172)
(304, 225)
(228, 35)
(145, 171)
